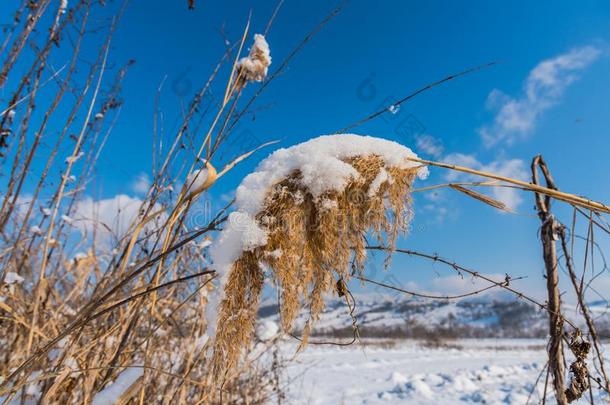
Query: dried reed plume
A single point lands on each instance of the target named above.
(254, 67)
(311, 244)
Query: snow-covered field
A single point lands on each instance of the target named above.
(489, 371)
(481, 350)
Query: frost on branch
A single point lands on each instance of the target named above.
(303, 215)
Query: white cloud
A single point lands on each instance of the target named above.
(544, 86)
(533, 287)
(437, 212)
(456, 284)
(109, 218)
(22, 205)
(435, 195)
(141, 185)
(429, 145)
(435, 205)
(460, 159)
(513, 168)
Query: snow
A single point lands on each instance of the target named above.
(13, 278)
(419, 388)
(328, 204)
(73, 159)
(276, 254)
(267, 330)
(79, 256)
(322, 167)
(67, 219)
(196, 180)
(398, 378)
(241, 233)
(381, 178)
(499, 371)
(205, 243)
(32, 389)
(200, 342)
(113, 392)
(35, 230)
(320, 161)
(254, 67)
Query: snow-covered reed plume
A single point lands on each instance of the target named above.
(303, 215)
(254, 67)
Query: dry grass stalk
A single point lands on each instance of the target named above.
(310, 242)
(556, 194)
(481, 197)
(586, 312)
(93, 317)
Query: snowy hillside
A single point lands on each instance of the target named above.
(399, 316)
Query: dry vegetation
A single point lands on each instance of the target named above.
(80, 312)
(72, 324)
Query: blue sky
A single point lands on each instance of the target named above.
(551, 80)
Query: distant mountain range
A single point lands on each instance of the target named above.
(400, 316)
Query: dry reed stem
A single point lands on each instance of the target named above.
(481, 197)
(560, 195)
